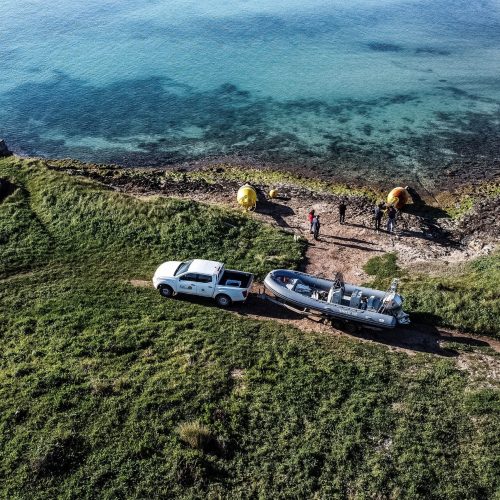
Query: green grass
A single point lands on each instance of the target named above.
(383, 268)
(467, 299)
(52, 216)
(98, 379)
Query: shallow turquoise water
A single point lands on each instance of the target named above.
(345, 88)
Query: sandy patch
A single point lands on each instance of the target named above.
(141, 283)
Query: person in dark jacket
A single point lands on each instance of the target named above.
(342, 211)
(315, 226)
(391, 221)
(379, 213)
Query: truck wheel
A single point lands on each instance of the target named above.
(223, 300)
(166, 291)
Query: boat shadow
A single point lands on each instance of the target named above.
(417, 337)
(412, 338)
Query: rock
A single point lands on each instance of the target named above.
(6, 188)
(4, 150)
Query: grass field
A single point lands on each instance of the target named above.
(107, 390)
(466, 298)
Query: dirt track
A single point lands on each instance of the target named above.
(420, 241)
(346, 248)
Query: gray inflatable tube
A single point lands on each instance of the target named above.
(335, 299)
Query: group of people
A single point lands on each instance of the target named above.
(379, 211)
(315, 224)
(391, 212)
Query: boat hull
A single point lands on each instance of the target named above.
(273, 284)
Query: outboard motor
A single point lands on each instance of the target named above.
(392, 303)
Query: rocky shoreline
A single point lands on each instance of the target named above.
(478, 225)
(427, 230)
(429, 175)
(4, 150)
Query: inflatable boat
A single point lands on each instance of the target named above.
(336, 299)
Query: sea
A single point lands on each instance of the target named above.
(353, 90)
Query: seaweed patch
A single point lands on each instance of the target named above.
(384, 47)
(432, 51)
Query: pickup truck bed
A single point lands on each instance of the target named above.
(237, 279)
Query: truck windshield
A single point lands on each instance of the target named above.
(220, 273)
(183, 267)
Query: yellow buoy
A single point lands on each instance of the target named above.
(398, 197)
(247, 197)
(273, 193)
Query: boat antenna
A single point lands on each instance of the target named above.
(394, 286)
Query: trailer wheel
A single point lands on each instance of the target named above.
(223, 300)
(166, 291)
(351, 327)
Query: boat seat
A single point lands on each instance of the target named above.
(302, 288)
(335, 295)
(373, 303)
(355, 300)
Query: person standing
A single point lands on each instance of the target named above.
(379, 212)
(342, 211)
(315, 226)
(310, 217)
(391, 221)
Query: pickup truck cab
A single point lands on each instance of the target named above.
(204, 278)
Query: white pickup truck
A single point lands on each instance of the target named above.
(204, 278)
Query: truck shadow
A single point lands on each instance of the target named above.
(251, 308)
